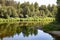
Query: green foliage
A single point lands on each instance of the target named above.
(58, 15)
(53, 26)
(58, 12)
(9, 29)
(2, 20)
(12, 9)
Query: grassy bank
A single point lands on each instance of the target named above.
(2, 20)
(37, 19)
(53, 26)
(27, 19)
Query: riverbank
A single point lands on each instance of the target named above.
(57, 33)
(2, 20)
(42, 21)
(26, 19)
(53, 26)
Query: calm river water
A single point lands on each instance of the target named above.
(23, 31)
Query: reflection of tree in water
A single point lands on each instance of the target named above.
(28, 31)
(7, 30)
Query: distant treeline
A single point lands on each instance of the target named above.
(10, 8)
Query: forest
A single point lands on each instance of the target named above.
(13, 9)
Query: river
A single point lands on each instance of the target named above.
(24, 31)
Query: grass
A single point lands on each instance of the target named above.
(28, 19)
(9, 20)
(37, 19)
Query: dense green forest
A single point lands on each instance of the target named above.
(58, 11)
(12, 9)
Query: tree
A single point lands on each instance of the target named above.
(2, 2)
(32, 10)
(14, 13)
(42, 7)
(4, 12)
(54, 10)
(36, 6)
(48, 13)
(58, 11)
(25, 7)
(10, 8)
(49, 8)
(10, 2)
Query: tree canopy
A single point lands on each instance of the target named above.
(13, 9)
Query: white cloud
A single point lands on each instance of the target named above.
(40, 2)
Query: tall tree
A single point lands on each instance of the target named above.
(54, 10)
(2, 2)
(49, 8)
(58, 12)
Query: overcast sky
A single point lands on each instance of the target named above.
(40, 2)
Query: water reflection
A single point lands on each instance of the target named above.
(22, 31)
